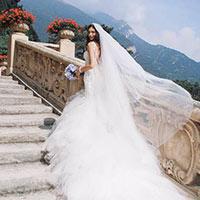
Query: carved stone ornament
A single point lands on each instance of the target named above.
(66, 34)
(22, 27)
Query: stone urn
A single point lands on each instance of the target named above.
(21, 27)
(66, 34)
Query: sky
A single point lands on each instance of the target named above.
(172, 23)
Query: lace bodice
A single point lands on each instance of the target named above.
(86, 57)
(89, 76)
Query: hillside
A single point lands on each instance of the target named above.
(156, 59)
(47, 10)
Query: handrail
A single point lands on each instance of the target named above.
(36, 93)
(50, 52)
(46, 44)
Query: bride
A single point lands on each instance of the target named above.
(104, 145)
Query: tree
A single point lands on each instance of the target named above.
(6, 4)
(192, 87)
(32, 34)
(108, 29)
(4, 33)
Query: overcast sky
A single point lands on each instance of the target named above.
(173, 23)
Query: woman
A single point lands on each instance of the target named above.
(103, 146)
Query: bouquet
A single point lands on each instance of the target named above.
(70, 72)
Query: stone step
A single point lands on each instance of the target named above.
(25, 119)
(20, 152)
(39, 195)
(15, 91)
(23, 178)
(9, 81)
(25, 109)
(23, 134)
(18, 100)
(6, 77)
(11, 86)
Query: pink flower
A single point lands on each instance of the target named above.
(62, 23)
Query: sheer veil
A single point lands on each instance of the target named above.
(159, 106)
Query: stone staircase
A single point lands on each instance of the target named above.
(22, 175)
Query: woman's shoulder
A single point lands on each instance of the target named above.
(92, 44)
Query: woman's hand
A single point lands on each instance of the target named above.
(77, 72)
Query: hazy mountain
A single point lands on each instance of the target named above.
(156, 59)
(46, 10)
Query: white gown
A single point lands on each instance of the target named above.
(96, 155)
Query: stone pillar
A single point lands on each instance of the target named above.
(66, 46)
(19, 31)
(11, 48)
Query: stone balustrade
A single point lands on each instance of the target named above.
(42, 68)
(49, 45)
(180, 156)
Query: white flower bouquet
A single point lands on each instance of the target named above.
(70, 72)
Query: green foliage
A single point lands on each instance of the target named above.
(4, 33)
(192, 87)
(33, 36)
(108, 29)
(55, 9)
(5, 4)
(3, 51)
(80, 42)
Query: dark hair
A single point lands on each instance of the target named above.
(96, 38)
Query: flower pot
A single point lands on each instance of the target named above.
(22, 27)
(3, 67)
(3, 63)
(66, 34)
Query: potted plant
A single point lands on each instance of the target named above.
(64, 28)
(17, 19)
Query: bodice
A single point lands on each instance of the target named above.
(90, 75)
(86, 57)
(87, 75)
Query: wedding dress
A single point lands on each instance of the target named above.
(97, 149)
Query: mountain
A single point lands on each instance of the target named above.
(46, 10)
(157, 59)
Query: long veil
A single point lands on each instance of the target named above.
(159, 106)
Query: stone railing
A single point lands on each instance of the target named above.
(180, 156)
(41, 66)
(49, 45)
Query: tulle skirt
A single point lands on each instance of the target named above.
(95, 157)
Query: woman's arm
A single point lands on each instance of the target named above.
(92, 59)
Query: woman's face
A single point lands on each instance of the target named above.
(91, 33)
